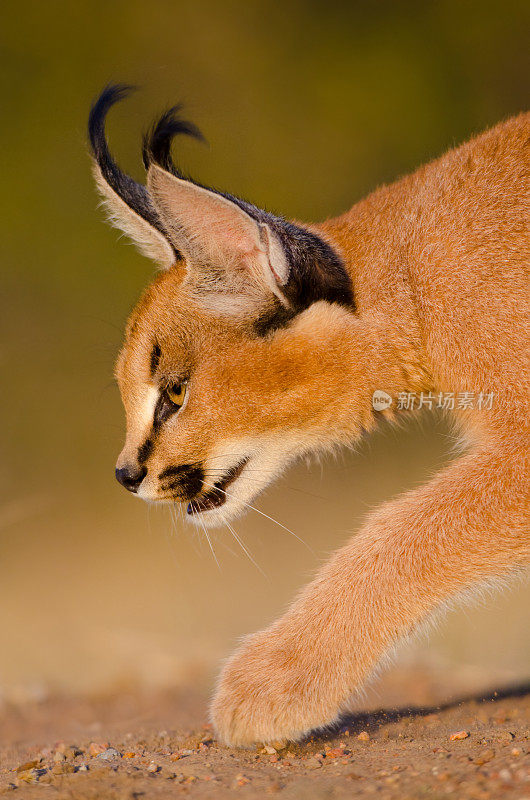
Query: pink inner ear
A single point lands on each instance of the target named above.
(220, 229)
(216, 235)
(204, 221)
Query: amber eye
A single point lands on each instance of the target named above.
(176, 392)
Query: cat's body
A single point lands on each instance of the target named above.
(445, 253)
(270, 341)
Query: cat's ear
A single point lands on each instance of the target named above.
(238, 257)
(128, 205)
(124, 217)
(231, 257)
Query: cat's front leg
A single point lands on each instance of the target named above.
(412, 556)
(297, 675)
(275, 687)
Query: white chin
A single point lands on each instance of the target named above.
(262, 462)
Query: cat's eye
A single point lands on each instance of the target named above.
(176, 393)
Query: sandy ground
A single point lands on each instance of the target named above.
(133, 745)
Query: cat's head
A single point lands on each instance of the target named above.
(232, 360)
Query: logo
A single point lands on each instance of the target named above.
(381, 400)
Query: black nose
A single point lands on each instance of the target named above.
(131, 477)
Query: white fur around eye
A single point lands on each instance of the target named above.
(147, 410)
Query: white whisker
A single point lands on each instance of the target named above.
(203, 526)
(261, 472)
(263, 514)
(240, 543)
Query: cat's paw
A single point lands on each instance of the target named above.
(270, 691)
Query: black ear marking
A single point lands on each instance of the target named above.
(274, 317)
(316, 272)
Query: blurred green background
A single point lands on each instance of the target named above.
(307, 107)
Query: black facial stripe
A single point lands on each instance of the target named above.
(144, 451)
(188, 480)
(172, 472)
(154, 359)
(163, 410)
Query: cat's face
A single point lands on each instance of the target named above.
(234, 360)
(215, 412)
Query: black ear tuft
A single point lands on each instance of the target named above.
(133, 194)
(316, 271)
(111, 94)
(157, 141)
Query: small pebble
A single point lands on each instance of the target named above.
(455, 737)
(335, 752)
(109, 754)
(96, 748)
(364, 736)
(63, 769)
(484, 757)
(27, 776)
(27, 766)
(153, 768)
(505, 737)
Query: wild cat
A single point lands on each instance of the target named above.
(262, 340)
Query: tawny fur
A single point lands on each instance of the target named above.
(439, 263)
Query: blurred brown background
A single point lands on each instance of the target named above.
(307, 106)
